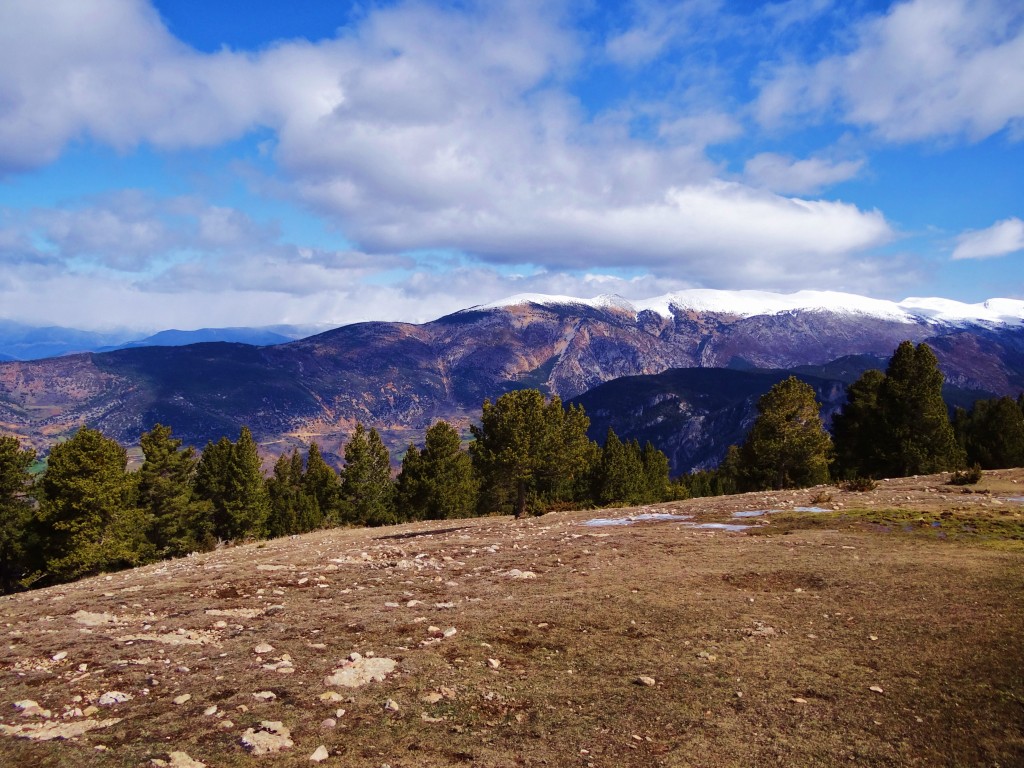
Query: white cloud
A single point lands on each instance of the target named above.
(927, 68)
(787, 175)
(1002, 238)
(421, 127)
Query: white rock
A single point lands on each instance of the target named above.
(493, 663)
(391, 706)
(450, 632)
(178, 760)
(320, 754)
(645, 680)
(265, 695)
(185, 697)
(210, 711)
(60, 656)
(110, 698)
(272, 736)
(263, 648)
(357, 673)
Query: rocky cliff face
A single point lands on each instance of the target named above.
(401, 377)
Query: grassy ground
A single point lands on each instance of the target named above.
(764, 645)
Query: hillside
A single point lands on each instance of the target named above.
(881, 631)
(401, 377)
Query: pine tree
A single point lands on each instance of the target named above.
(916, 436)
(178, 522)
(787, 447)
(856, 429)
(230, 476)
(284, 488)
(15, 512)
(85, 521)
(529, 453)
(620, 476)
(438, 483)
(367, 490)
(321, 481)
(992, 433)
(656, 474)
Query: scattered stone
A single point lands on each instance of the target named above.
(331, 697)
(263, 649)
(328, 722)
(271, 737)
(357, 673)
(110, 698)
(515, 573)
(60, 656)
(320, 754)
(265, 695)
(872, 637)
(707, 656)
(30, 708)
(177, 760)
(876, 689)
(238, 613)
(391, 706)
(645, 680)
(184, 698)
(493, 663)
(798, 700)
(450, 632)
(210, 710)
(431, 698)
(49, 730)
(428, 719)
(225, 725)
(90, 619)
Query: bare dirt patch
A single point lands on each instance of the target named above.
(881, 631)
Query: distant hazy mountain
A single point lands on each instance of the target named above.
(25, 342)
(400, 377)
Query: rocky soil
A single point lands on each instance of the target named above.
(876, 628)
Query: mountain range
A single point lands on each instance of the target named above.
(19, 341)
(400, 377)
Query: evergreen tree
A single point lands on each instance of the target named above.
(528, 452)
(368, 493)
(787, 447)
(992, 433)
(178, 522)
(321, 481)
(620, 473)
(85, 522)
(15, 512)
(284, 489)
(449, 485)
(857, 427)
(230, 477)
(411, 486)
(916, 436)
(656, 474)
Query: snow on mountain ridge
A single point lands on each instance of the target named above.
(997, 311)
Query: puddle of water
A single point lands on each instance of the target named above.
(1019, 499)
(751, 513)
(719, 526)
(811, 509)
(652, 517)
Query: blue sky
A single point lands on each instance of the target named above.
(181, 163)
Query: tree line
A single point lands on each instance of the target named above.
(894, 424)
(88, 514)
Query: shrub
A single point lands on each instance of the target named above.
(859, 484)
(966, 476)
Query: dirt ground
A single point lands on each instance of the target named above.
(879, 628)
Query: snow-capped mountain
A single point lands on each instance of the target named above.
(400, 377)
(992, 312)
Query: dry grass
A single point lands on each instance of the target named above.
(763, 644)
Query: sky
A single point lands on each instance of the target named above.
(187, 164)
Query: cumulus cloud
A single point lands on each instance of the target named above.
(1002, 238)
(924, 69)
(784, 174)
(421, 127)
